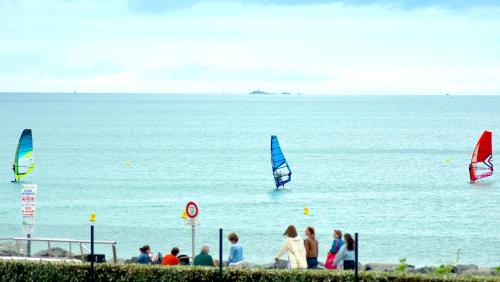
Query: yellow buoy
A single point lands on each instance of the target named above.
(306, 211)
(449, 161)
(92, 216)
(184, 215)
(129, 163)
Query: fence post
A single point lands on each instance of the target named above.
(81, 252)
(356, 262)
(29, 245)
(193, 253)
(220, 254)
(92, 252)
(113, 247)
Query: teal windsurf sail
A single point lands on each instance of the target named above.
(23, 161)
(281, 171)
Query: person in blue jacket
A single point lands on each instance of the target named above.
(143, 258)
(236, 252)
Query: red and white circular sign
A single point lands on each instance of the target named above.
(192, 209)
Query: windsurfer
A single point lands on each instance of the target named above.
(14, 169)
(471, 173)
(279, 175)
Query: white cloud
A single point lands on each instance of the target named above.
(219, 46)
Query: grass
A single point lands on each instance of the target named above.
(402, 265)
(443, 269)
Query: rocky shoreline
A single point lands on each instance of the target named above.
(10, 250)
(465, 269)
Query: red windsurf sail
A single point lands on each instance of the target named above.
(480, 163)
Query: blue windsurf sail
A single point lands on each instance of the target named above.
(23, 160)
(281, 171)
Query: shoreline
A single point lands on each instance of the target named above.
(467, 270)
(57, 254)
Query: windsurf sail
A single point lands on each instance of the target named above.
(23, 161)
(480, 163)
(281, 171)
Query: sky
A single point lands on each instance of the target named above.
(396, 47)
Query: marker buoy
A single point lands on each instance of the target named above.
(306, 211)
(448, 161)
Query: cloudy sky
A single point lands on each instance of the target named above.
(195, 46)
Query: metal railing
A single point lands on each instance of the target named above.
(59, 240)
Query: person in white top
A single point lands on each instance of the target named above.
(294, 245)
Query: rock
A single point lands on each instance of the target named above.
(10, 249)
(483, 271)
(460, 268)
(56, 252)
(425, 269)
(495, 270)
(281, 264)
(381, 267)
(267, 266)
(250, 265)
(119, 260)
(131, 260)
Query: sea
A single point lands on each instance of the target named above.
(393, 169)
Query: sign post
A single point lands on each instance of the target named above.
(192, 211)
(92, 256)
(28, 192)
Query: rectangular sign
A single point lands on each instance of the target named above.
(28, 192)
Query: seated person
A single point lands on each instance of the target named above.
(143, 258)
(183, 259)
(171, 259)
(236, 252)
(203, 258)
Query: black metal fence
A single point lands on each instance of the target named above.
(259, 247)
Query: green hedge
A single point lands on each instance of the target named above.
(37, 271)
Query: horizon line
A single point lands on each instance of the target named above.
(238, 94)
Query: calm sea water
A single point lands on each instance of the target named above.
(392, 168)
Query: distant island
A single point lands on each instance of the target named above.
(259, 92)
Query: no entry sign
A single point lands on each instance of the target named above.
(192, 210)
